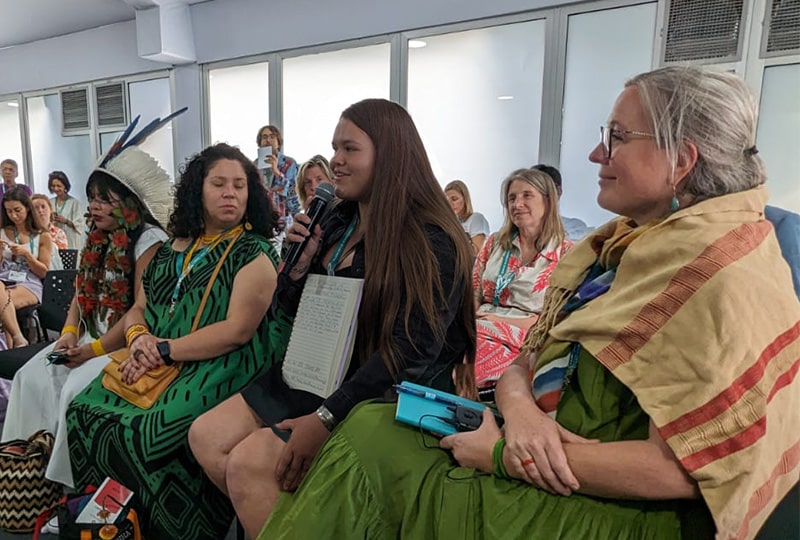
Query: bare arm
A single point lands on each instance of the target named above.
(631, 469)
(477, 242)
(250, 298)
(40, 264)
(115, 337)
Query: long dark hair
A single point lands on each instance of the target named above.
(19, 195)
(103, 252)
(400, 262)
(187, 219)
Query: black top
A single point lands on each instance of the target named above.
(427, 360)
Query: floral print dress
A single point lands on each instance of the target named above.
(498, 341)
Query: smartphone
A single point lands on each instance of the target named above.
(58, 357)
(263, 153)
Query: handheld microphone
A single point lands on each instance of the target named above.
(322, 196)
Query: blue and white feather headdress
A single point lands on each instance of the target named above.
(139, 171)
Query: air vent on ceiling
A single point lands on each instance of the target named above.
(74, 110)
(110, 105)
(703, 30)
(783, 34)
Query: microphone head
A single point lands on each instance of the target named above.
(324, 191)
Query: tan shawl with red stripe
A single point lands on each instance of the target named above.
(703, 325)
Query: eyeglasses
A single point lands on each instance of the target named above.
(103, 202)
(607, 134)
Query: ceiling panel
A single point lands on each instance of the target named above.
(31, 20)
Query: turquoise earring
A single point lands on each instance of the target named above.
(674, 204)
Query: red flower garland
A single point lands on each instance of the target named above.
(110, 298)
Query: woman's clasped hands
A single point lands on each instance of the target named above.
(143, 357)
(534, 450)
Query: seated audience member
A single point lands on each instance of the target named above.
(512, 270)
(416, 320)
(663, 364)
(67, 210)
(574, 228)
(129, 195)
(9, 171)
(221, 219)
(312, 173)
(474, 224)
(43, 208)
(281, 177)
(26, 254)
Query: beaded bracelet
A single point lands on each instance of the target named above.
(133, 332)
(70, 329)
(97, 348)
(497, 459)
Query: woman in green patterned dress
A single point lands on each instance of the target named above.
(219, 201)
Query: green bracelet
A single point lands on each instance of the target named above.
(497, 459)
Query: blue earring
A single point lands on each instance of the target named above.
(674, 204)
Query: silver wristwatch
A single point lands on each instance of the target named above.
(326, 417)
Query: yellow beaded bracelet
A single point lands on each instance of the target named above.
(97, 348)
(70, 329)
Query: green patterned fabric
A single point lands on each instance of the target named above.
(147, 450)
(374, 479)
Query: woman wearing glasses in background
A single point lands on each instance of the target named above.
(67, 210)
(664, 393)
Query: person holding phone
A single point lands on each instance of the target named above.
(280, 173)
(27, 250)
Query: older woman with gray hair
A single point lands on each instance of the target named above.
(656, 396)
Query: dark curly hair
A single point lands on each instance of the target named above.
(187, 221)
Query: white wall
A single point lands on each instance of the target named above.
(105, 52)
(233, 28)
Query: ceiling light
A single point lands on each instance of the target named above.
(416, 44)
(13, 104)
(505, 98)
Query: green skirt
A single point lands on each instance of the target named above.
(375, 479)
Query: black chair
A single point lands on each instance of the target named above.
(57, 293)
(69, 257)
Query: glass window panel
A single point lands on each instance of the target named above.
(598, 64)
(10, 139)
(318, 87)
(152, 100)
(50, 150)
(107, 139)
(239, 105)
(476, 97)
(779, 133)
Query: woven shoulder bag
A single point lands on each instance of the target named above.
(24, 491)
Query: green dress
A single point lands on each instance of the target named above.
(147, 450)
(374, 479)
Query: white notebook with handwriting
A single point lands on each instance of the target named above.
(323, 334)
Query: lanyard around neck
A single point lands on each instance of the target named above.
(60, 210)
(504, 277)
(190, 258)
(30, 238)
(337, 255)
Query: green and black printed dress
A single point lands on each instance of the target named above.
(147, 450)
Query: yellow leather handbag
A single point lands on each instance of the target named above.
(144, 392)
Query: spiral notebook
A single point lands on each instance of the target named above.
(323, 334)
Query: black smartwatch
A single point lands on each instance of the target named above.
(164, 350)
